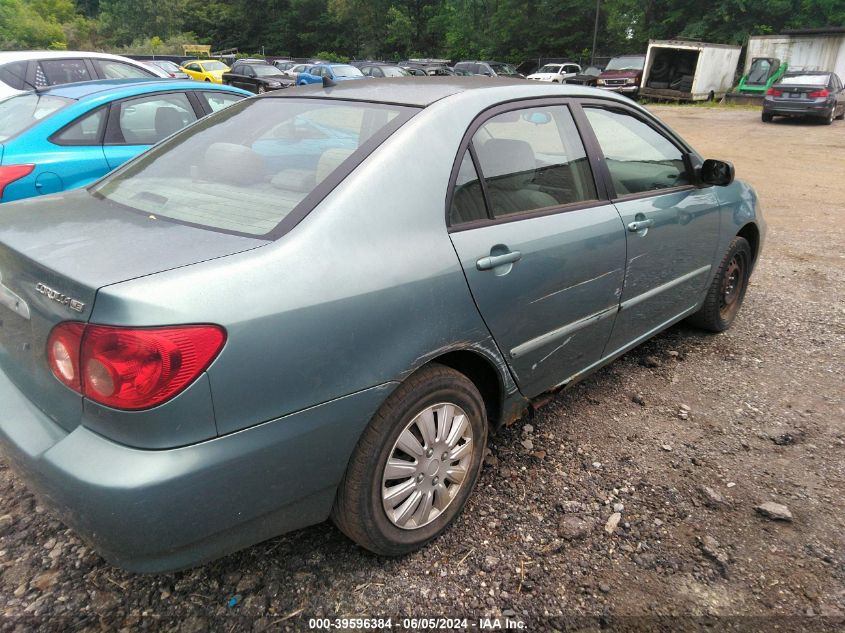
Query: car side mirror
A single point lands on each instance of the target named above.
(717, 172)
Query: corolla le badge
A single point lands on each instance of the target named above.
(13, 301)
(58, 297)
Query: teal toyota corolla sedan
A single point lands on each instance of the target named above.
(67, 136)
(319, 302)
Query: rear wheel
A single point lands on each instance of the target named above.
(767, 118)
(415, 464)
(727, 290)
(829, 119)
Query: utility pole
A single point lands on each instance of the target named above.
(595, 35)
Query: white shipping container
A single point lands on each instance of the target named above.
(811, 51)
(688, 71)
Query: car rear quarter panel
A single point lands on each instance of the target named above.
(362, 292)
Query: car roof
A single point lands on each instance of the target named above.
(85, 89)
(419, 92)
(17, 56)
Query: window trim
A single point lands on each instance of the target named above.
(588, 142)
(689, 155)
(101, 130)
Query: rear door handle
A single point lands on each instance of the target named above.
(639, 225)
(493, 261)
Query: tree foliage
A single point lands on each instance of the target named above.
(511, 30)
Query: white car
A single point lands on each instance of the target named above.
(556, 73)
(28, 70)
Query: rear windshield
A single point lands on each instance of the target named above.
(346, 71)
(503, 69)
(805, 80)
(266, 71)
(23, 111)
(246, 168)
(391, 71)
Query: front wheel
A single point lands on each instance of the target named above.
(415, 464)
(727, 290)
(261, 90)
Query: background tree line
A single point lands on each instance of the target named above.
(510, 30)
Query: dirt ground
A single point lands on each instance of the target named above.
(682, 437)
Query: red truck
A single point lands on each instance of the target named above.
(624, 74)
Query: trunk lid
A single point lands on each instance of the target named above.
(797, 92)
(55, 253)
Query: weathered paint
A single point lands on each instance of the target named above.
(801, 52)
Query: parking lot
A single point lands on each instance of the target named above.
(687, 434)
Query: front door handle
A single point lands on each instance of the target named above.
(639, 225)
(494, 261)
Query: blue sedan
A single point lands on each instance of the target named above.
(336, 72)
(70, 135)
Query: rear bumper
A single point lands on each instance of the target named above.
(152, 511)
(780, 108)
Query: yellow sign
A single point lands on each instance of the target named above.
(196, 49)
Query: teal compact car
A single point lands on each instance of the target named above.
(269, 319)
(67, 136)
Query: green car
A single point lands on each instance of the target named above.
(318, 303)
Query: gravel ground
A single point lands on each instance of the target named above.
(675, 445)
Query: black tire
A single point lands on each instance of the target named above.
(828, 120)
(358, 509)
(767, 118)
(727, 290)
(261, 89)
(208, 80)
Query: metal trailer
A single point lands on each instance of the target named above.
(688, 71)
(801, 49)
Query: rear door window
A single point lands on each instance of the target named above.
(52, 72)
(147, 120)
(112, 69)
(533, 159)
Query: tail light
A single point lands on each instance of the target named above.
(774, 92)
(172, 74)
(11, 173)
(131, 368)
(819, 93)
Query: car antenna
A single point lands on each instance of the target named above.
(328, 82)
